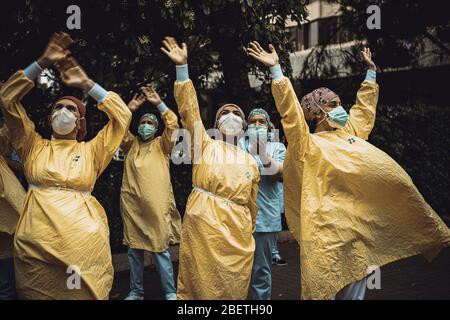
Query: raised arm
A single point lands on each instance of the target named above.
(135, 103)
(185, 94)
(292, 117)
(363, 113)
(108, 140)
(23, 135)
(169, 117)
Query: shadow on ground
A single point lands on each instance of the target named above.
(412, 278)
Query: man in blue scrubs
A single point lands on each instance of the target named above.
(269, 156)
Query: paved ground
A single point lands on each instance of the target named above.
(412, 278)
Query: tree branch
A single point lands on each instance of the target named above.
(437, 42)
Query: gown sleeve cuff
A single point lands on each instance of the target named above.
(371, 76)
(182, 72)
(33, 71)
(162, 107)
(276, 72)
(98, 93)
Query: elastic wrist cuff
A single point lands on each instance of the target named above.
(33, 71)
(371, 76)
(162, 107)
(182, 72)
(276, 72)
(98, 93)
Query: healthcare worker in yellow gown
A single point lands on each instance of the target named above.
(349, 205)
(151, 221)
(12, 196)
(216, 246)
(61, 243)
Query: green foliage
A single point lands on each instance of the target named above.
(408, 28)
(119, 42)
(404, 25)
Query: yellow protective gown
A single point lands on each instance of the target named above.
(349, 204)
(12, 196)
(150, 217)
(217, 246)
(62, 224)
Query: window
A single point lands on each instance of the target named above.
(319, 32)
(328, 31)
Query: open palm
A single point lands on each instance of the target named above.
(57, 49)
(137, 101)
(177, 54)
(71, 73)
(367, 57)
(151, 95)
(269, 59)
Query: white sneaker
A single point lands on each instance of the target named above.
(171, 296)
(133, 296)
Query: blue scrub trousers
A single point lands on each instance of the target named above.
(7, 280)
(164, 266)
(261, 281)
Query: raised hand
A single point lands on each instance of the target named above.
(137, 101)
(177, 54)
(367, 57)
(151, 95)
(269, 59)
(73, 75)
(56, 50)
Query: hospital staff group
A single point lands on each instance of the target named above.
(347, 203)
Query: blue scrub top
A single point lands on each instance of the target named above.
(270, 195)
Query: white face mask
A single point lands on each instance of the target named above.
(230, 124)
(63, 121)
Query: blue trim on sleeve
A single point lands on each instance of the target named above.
(276, 72)
(33, 71)
(182, 72)
(98, 93)
(371, 76)
(162, 107)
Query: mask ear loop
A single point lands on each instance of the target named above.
(79, 121)
(318, 106)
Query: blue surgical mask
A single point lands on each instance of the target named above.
(258, 132)
(146, 131)
(336, 118)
